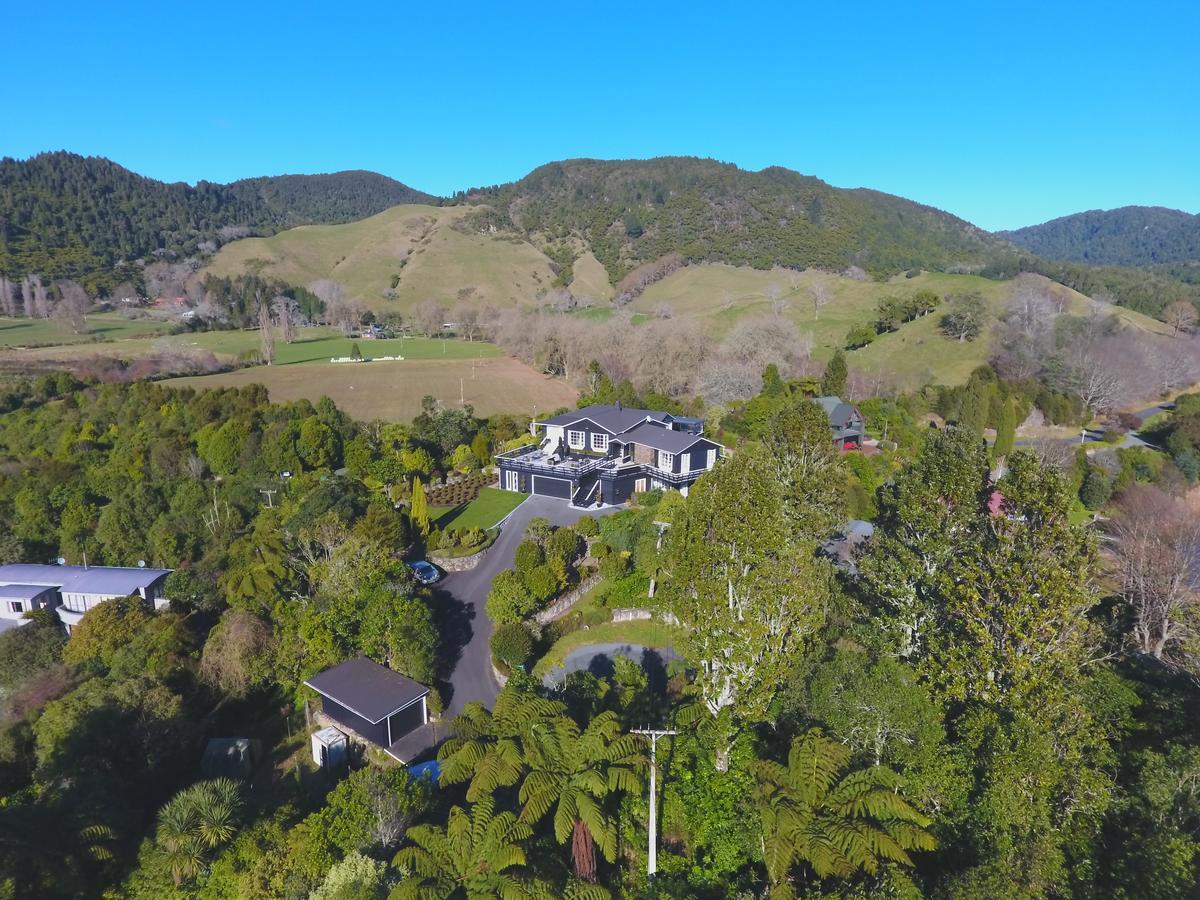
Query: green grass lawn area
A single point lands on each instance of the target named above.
(492, 505)
(100, 327)
(322, 344)
(646, 632)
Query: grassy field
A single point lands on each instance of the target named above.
(100, 327)
(314, 345)
(484, 511)
(392, 391)
(419, 244)
(646, 632)
(591, 279)
(913, 355)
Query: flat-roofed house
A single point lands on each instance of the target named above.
(72, 590)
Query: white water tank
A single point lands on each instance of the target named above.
(329, 748)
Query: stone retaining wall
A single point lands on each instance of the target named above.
(458, 563)
(630, 614)
(563, 604)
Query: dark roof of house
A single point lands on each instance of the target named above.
(613, 419)
(112, 580)
(23, 591)
(660, 438)
(367, 689)
(839, 411)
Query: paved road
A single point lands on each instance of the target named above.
(597, 658)
(463, 595)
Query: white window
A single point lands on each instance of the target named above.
(575, 440)
(599, 442)
(666, 461)
(511, 481)
(712, 458)
(16, 606)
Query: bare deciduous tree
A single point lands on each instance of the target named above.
(1155, 551)
(429, 317)
(466, 317)
(9, 294)
(72, 306)
(1181, 316)
(266, 333)
(820, 296)
(287, 314)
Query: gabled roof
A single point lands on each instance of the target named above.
(613, 419)
(839, 411)
(367, 689)
(117, 581)
(660, 438)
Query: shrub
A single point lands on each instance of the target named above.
(601, 550)
(587, 527)
(542, 583)
(511, 644)
(615, 565)
(1096, 488)
(538, 529)
(509, 599)
(528, 557)
(434, 702)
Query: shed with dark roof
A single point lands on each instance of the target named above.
(372, 700)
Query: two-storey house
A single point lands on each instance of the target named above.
(845, 422)
(606, 454)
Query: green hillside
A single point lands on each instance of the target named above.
(418, 252)
(630, 212)
(67, 216)
(1129, 236)
(917, 353)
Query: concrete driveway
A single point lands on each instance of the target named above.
(461, 596)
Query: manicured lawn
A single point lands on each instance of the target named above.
(484, 511)
(646, 632)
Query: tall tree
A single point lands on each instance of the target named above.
(1181, 316)
(813, 811)
(419, 510)
(573, 772)
(266, 333)
(747, 596)
(833, 381)
(925, 514)
(809, 470)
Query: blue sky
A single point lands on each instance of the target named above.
(1006, 114)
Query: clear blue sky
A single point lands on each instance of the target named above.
(1006, 113)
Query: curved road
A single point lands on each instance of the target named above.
(463, 595)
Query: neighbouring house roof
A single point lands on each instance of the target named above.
(116, 581)
(660, 438)
(614, 419)
(369, 690)
(23, 591)
(839, 411)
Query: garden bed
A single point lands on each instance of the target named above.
(461, 492)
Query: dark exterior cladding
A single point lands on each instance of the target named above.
(370, 699)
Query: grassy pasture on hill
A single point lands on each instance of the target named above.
(915, 354)
(393, 390)
(443, 263)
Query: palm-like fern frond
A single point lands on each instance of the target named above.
(839, 823)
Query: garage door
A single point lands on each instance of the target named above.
(551, 487)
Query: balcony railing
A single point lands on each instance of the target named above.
(532, 458)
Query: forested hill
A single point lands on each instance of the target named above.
(65, 215)
(1129, 236)
(630, 212)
